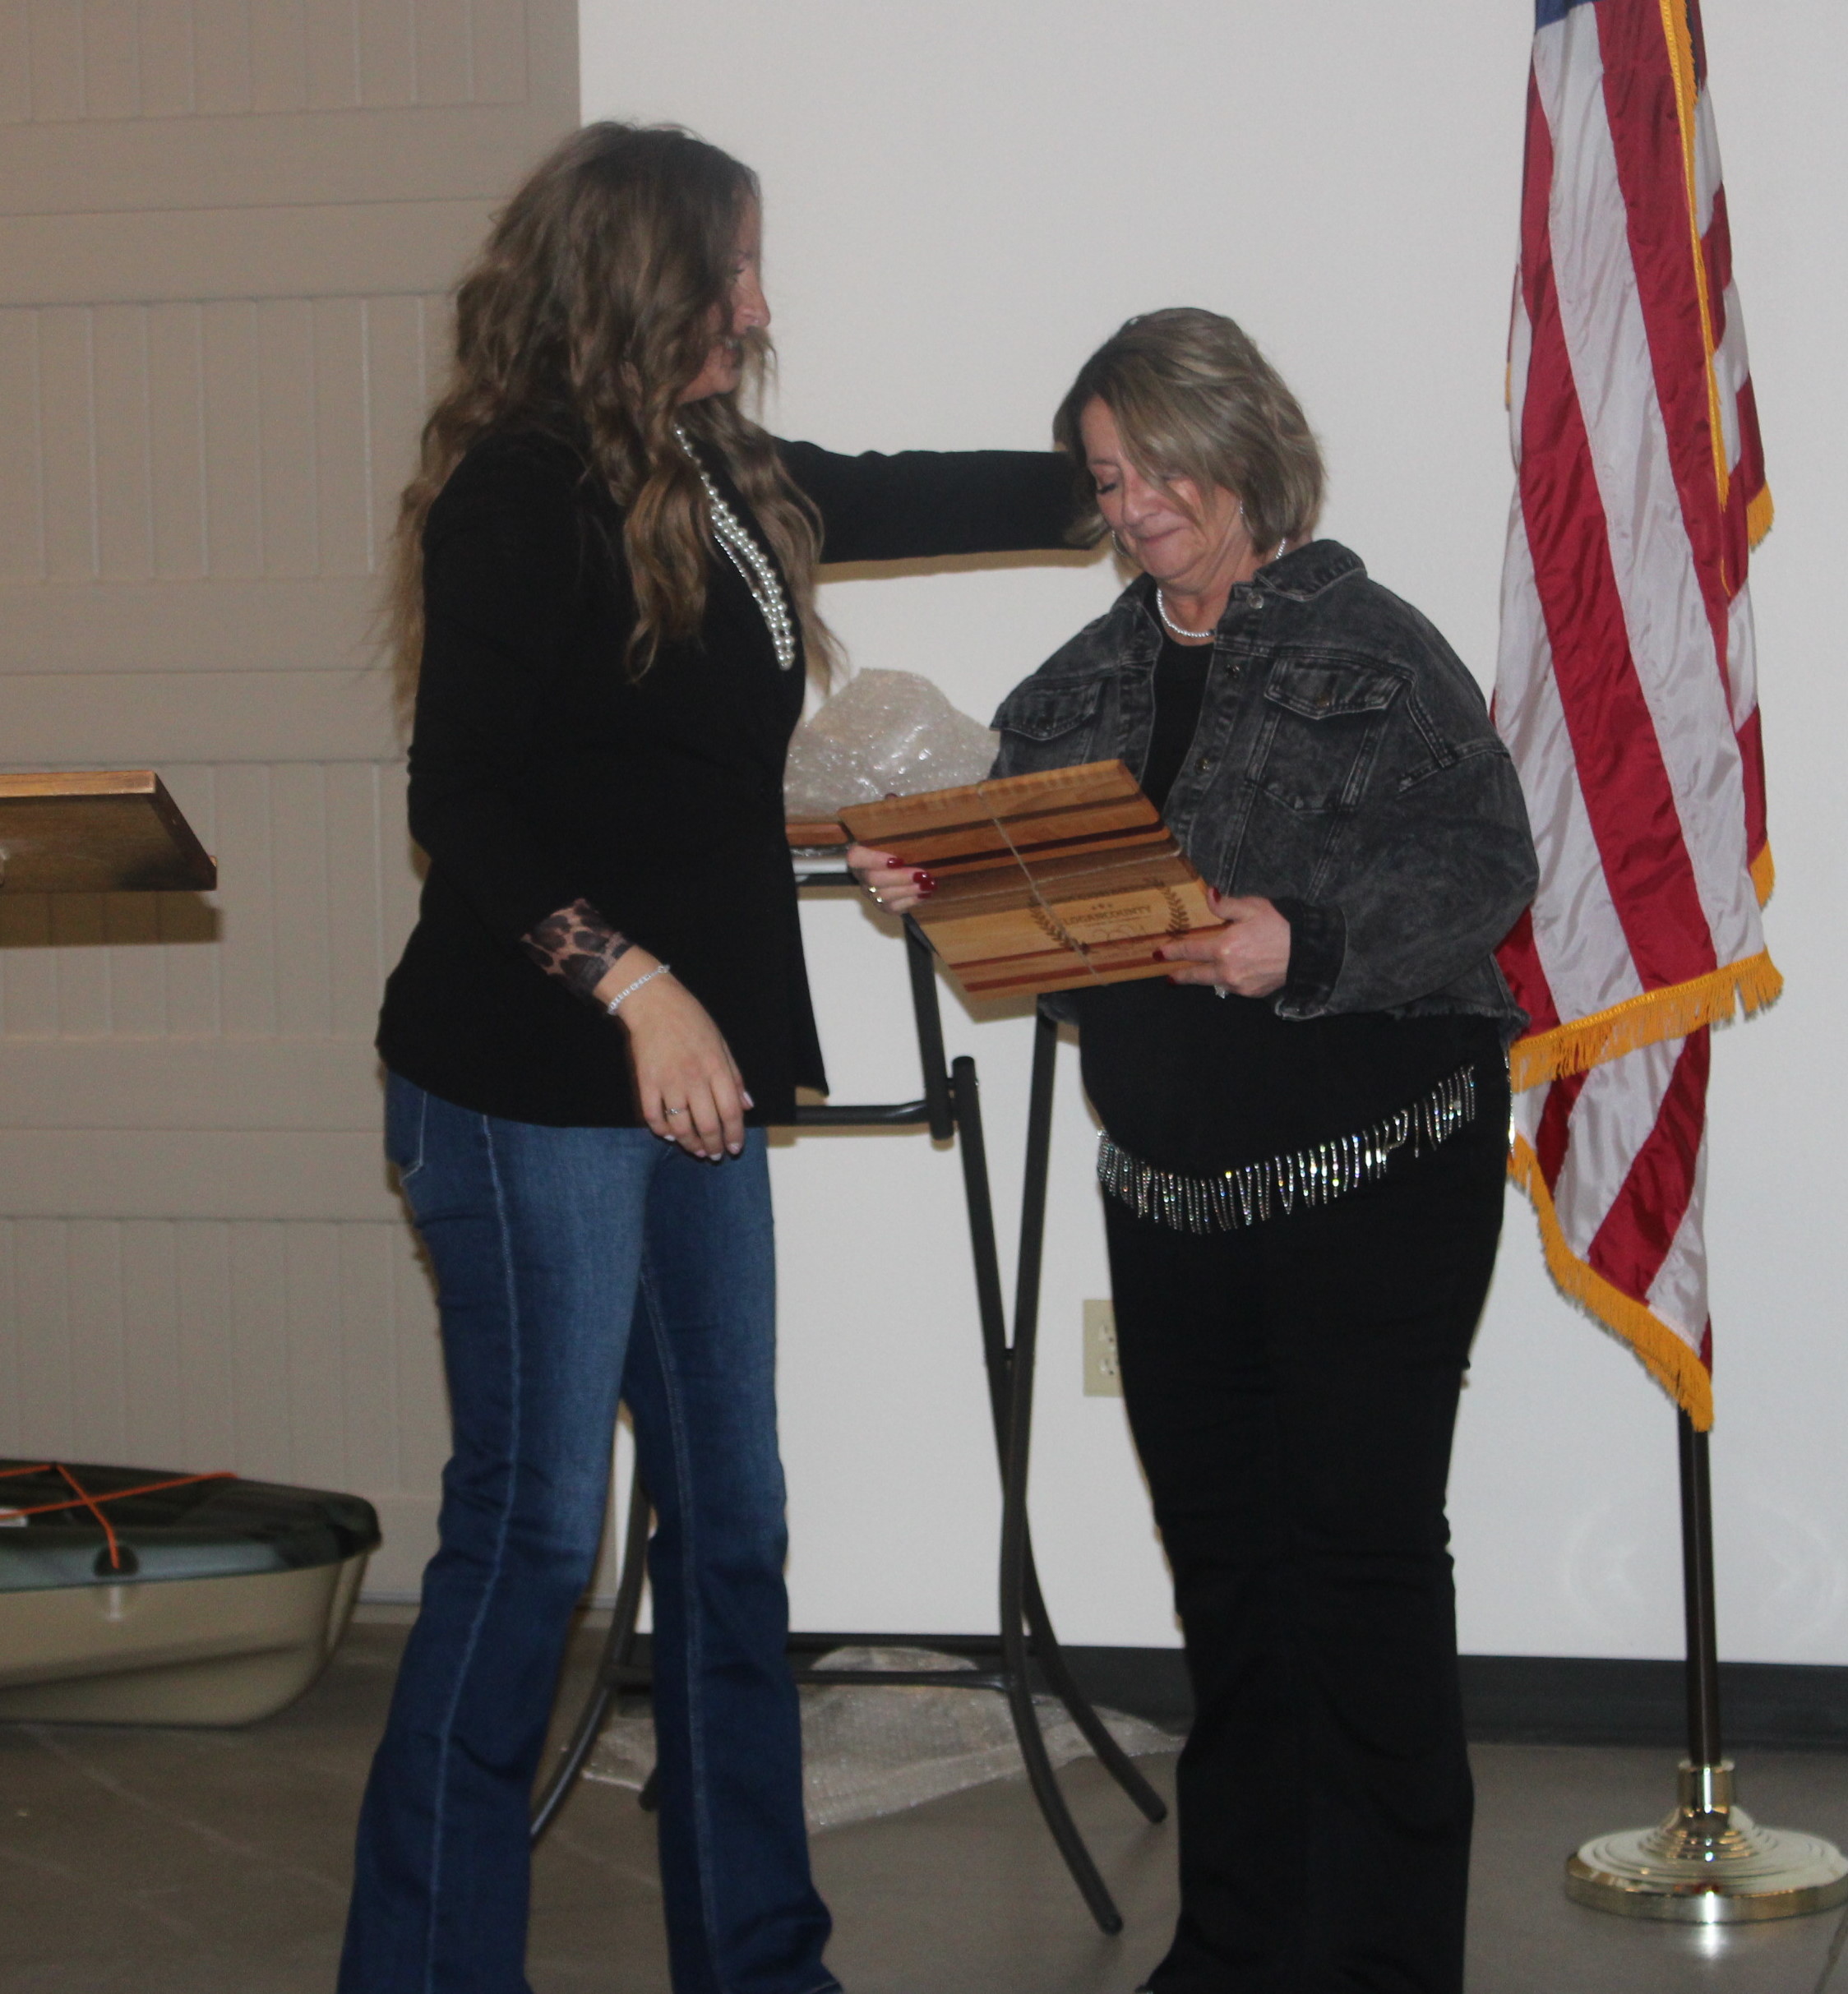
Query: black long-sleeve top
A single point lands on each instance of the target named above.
(543, 772)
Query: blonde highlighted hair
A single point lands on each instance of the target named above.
(1193, 397)
(591, 309)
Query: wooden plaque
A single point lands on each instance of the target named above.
(814, 834)
(114, 831)
(1048, 882)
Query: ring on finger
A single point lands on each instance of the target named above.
(674, 1110)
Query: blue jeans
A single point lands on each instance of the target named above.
(575, 1266)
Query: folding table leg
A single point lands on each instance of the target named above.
(1027, 1633)
(1053, 1665)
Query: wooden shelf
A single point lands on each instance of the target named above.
(98, 831)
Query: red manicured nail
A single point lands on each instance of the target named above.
(923, 880)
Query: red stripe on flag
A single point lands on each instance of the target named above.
(1752, 768)
(1519, 958)
(1537, 195)
(1637, 1232)
(1621, 776)
(1735, 538)
(1750, 469)
(1642, 107)
(1716, 247)
(1748, 484)
(1553, 1136)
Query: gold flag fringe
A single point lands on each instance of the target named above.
(1669, 1013)
(1667, 1357)
(1759, 513)
(1764, 874)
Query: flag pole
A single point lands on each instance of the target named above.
(1627, 374)
(1696, 1596)
(1708, 1863)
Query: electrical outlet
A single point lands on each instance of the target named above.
(1102, 1379)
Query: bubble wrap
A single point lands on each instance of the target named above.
(870, 1751)
(883, 734)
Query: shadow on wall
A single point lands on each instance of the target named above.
(105, 921)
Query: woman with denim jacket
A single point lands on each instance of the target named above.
(1304, 1133)
(606, 572)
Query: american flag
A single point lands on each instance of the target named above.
(1626, 687)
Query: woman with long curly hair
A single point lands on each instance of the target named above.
(606, 592)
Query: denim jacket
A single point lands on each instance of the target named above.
(1344, 767)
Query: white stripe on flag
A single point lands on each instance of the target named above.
(1670, 640)
(1611, 1121)
(1707, 162)
(1581, 942)
(1678, 1294)
(1742, 657)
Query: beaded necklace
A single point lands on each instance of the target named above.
(755, 567)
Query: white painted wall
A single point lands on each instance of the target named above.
(961, 200)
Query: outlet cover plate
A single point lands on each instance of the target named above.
(1102, 1379)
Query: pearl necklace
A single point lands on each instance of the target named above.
(755, 567)
(1174, 629)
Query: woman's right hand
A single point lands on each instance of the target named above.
(898, 887)
(687, 1084)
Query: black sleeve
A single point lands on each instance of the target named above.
(922, 503)
(1450, 866)
(503, 566)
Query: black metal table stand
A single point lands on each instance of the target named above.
(1026, 1652)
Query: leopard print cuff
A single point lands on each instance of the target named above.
(577, 945)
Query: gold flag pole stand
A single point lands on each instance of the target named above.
(1708, 1863)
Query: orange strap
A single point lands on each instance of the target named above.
(82, 1498)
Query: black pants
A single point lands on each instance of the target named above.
(1292, 1391)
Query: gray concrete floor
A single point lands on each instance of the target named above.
(215, 1862)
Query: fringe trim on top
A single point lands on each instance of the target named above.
(1764, 874)
(1230, 1201)
(1668, 1358)
(1669, 1013)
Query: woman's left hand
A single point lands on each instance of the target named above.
(1249, 956)
(894, 886)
